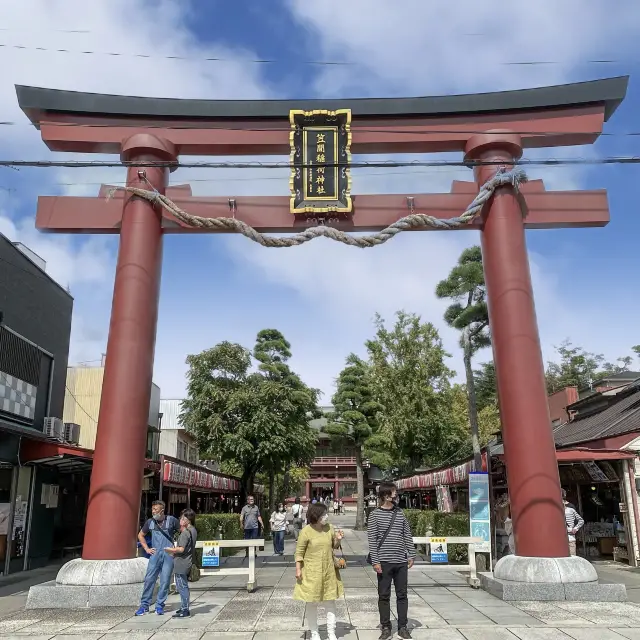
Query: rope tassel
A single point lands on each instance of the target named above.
(513, 177)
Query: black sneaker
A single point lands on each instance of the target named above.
(184, 613)
(386, 634)
(404, 633)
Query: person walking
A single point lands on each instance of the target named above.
(317, 579)
(574, 522)
(183, 559)
(162, 529)
(278, 523)
(392, 553)
(251, 520)
(298, 512)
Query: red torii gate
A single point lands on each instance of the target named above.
(485, 127)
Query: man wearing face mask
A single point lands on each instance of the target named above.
(162, 529)
(392, 553)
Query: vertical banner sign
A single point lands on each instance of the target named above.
(439, 553)
(210, 554)
(479, 511)
(320, 145)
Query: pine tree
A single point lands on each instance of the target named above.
(354, 419)
(465, 285)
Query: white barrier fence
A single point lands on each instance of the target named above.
(250, 545)
(469, 541)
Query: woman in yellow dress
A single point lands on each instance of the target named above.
(317, 579)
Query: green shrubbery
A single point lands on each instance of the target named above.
(437, 523)
(208, 525)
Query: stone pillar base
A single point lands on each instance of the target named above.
(572, 578)
(91, 584)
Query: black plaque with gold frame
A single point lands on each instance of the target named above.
(320, 179)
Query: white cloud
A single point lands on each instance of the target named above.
(411, 47)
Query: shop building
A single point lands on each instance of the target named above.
(35, 327)
(597, 448)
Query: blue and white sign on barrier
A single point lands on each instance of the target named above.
(439, 552)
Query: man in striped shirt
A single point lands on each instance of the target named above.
(392, 553)
(574, 522)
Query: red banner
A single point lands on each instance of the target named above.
(179, 474)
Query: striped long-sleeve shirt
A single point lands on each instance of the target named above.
(574, 521)
(398, 546)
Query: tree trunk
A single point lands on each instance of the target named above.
(360, 489)
(286, 484)
(246, 485)
(471, 399)
(272, 490)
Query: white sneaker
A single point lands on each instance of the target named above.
(332, 636)
(315, 635)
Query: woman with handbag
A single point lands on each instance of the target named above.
(183, 554)
(317, 569)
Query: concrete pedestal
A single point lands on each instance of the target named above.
(91, 583)
(526, 578)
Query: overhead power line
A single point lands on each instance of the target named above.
(341, 63)
(83, 164)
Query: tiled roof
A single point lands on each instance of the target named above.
(622, 416)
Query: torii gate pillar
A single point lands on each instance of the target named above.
(534, 483)
(116, 481)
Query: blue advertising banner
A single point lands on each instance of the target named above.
(479, 510)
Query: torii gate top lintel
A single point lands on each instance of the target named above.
(559, 115)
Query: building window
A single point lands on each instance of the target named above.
(193, 455)
(182, 450)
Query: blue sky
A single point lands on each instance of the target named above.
(323, 296)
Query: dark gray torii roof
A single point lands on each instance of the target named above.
(36, 101)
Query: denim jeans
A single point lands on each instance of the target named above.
(182, 584)
(160, 564)
(278, 541)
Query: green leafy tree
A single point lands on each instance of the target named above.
(468, 313)
(410, 379)
(574, 367)
(354, 419)
(486, 385)
(636, 350)
(254, 420)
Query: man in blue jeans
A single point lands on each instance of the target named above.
(162, 529)
(250, 520)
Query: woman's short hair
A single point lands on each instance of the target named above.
(315, 512)
(190, 515)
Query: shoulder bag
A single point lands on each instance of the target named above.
(384, 537)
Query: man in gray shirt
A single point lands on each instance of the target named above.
(250, 520)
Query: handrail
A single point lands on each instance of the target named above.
(469, 541)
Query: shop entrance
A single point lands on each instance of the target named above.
(15, 489)
(595, 491)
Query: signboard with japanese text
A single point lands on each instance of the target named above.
(439, 554)
(320, 157)
(210, 554)
(479, 510)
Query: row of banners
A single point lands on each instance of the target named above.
(452, 475)
(177, 473)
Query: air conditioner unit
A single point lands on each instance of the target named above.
(71, 432)
(54, 428)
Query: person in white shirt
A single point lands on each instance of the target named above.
(574, 522)
(278, 523)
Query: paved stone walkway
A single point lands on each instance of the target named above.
(441, 607)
